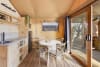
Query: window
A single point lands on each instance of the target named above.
(50, 26)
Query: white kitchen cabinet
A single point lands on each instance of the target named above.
(10, 53)
(13, 55)
(6, 10)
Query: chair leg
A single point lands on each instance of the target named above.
(48, 60)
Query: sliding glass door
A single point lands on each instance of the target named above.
(78, 35)
(81, 36)
(96, 34)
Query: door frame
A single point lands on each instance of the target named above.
(88, 42)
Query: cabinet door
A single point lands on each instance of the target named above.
(13, 55)
(3, 56)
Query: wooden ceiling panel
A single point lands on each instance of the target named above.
(42, 8)
(46, 8)
(78, 4)
(62, 6)
(23, 7)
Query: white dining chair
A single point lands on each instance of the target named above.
(60, 48)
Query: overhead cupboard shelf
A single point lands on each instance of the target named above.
(8, 8)
(4, 18)
(6, 22)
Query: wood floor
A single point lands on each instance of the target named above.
(34, 60)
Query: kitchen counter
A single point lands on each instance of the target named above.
(7, 43)
(13, 53)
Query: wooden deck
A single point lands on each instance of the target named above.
(34, 60)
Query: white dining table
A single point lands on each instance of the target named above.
(51, 44)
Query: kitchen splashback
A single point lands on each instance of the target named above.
(10, 36)
(8, 28)
(10, 31)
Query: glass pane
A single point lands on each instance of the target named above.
(96, 35)
(78, 36)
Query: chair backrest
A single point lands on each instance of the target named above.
(63, 45)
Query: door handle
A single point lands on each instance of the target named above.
(88, 37)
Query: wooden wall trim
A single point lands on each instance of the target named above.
(88, 43)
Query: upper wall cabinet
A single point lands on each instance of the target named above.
(4, 18)
(7, 8)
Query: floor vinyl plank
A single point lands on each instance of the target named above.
(33, 60)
